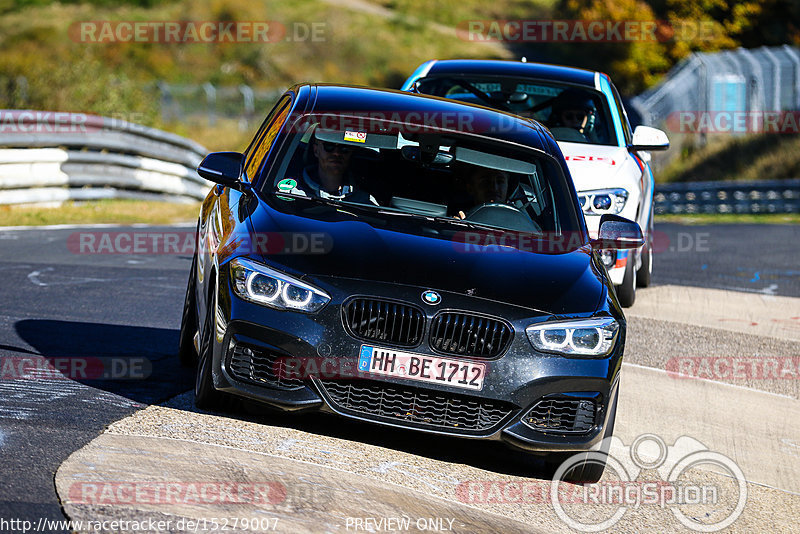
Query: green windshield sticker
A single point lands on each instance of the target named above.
(287, 184)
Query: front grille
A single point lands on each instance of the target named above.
(417, 407)
(385, 321)
(463, 334)
(259, 366)
(561, 415)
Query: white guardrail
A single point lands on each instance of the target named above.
(50, 157)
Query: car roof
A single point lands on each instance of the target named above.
(542, 71)
(369, 102)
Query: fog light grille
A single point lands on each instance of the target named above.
(259, 366)
(562, 415)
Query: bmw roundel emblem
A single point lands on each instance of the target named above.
(431, 297)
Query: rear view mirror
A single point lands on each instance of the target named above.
(618, 233)
(435, 159)
(224, 168)
(647, 138)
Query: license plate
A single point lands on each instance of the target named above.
(421, 367)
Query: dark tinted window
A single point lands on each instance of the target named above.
(449, 178)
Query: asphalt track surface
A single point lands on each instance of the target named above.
(752, 258)
(59, 303)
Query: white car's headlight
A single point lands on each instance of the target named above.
(577, 337)
(260, 284)
(603, 201)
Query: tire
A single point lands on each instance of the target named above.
(186, 350)
(626, 293)
(588, 469)
(206, 397)
(644, 272)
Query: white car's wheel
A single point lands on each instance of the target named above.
(626, 292)
(643, 275)
(644, 272)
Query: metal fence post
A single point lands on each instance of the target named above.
(249, 106)
(794, 56)
(211, 100)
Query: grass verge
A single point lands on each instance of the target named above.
(746, 158)
(100, 212)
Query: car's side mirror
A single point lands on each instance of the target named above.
(647, 138)
(224, 168)
(617, 233)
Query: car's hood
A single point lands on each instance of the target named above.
(552, 283)
(594, 166)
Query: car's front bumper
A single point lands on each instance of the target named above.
(517, 380)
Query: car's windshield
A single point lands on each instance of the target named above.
(573, 114)
(455, 180)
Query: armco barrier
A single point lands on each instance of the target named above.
(47, 157)
(769, 196)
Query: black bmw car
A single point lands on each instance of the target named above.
(408, 261)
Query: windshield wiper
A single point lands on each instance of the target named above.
(345, 204)
(482, 95)
(383, 210)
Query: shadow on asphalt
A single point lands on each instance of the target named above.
(139, 363)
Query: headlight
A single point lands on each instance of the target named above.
(603, 201)
(580, 337)
(260, 284)
(609, 258)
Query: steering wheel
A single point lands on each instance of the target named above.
(504, 216)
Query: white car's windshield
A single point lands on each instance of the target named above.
(573, 114)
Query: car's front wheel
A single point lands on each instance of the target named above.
(626, 292)
(587, 467)
(206, 397)
(186, 350)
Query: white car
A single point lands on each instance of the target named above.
(582, 108)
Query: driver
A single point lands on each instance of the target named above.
(487, 185)
(484, 185)
(574, 109)
(331, 177)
